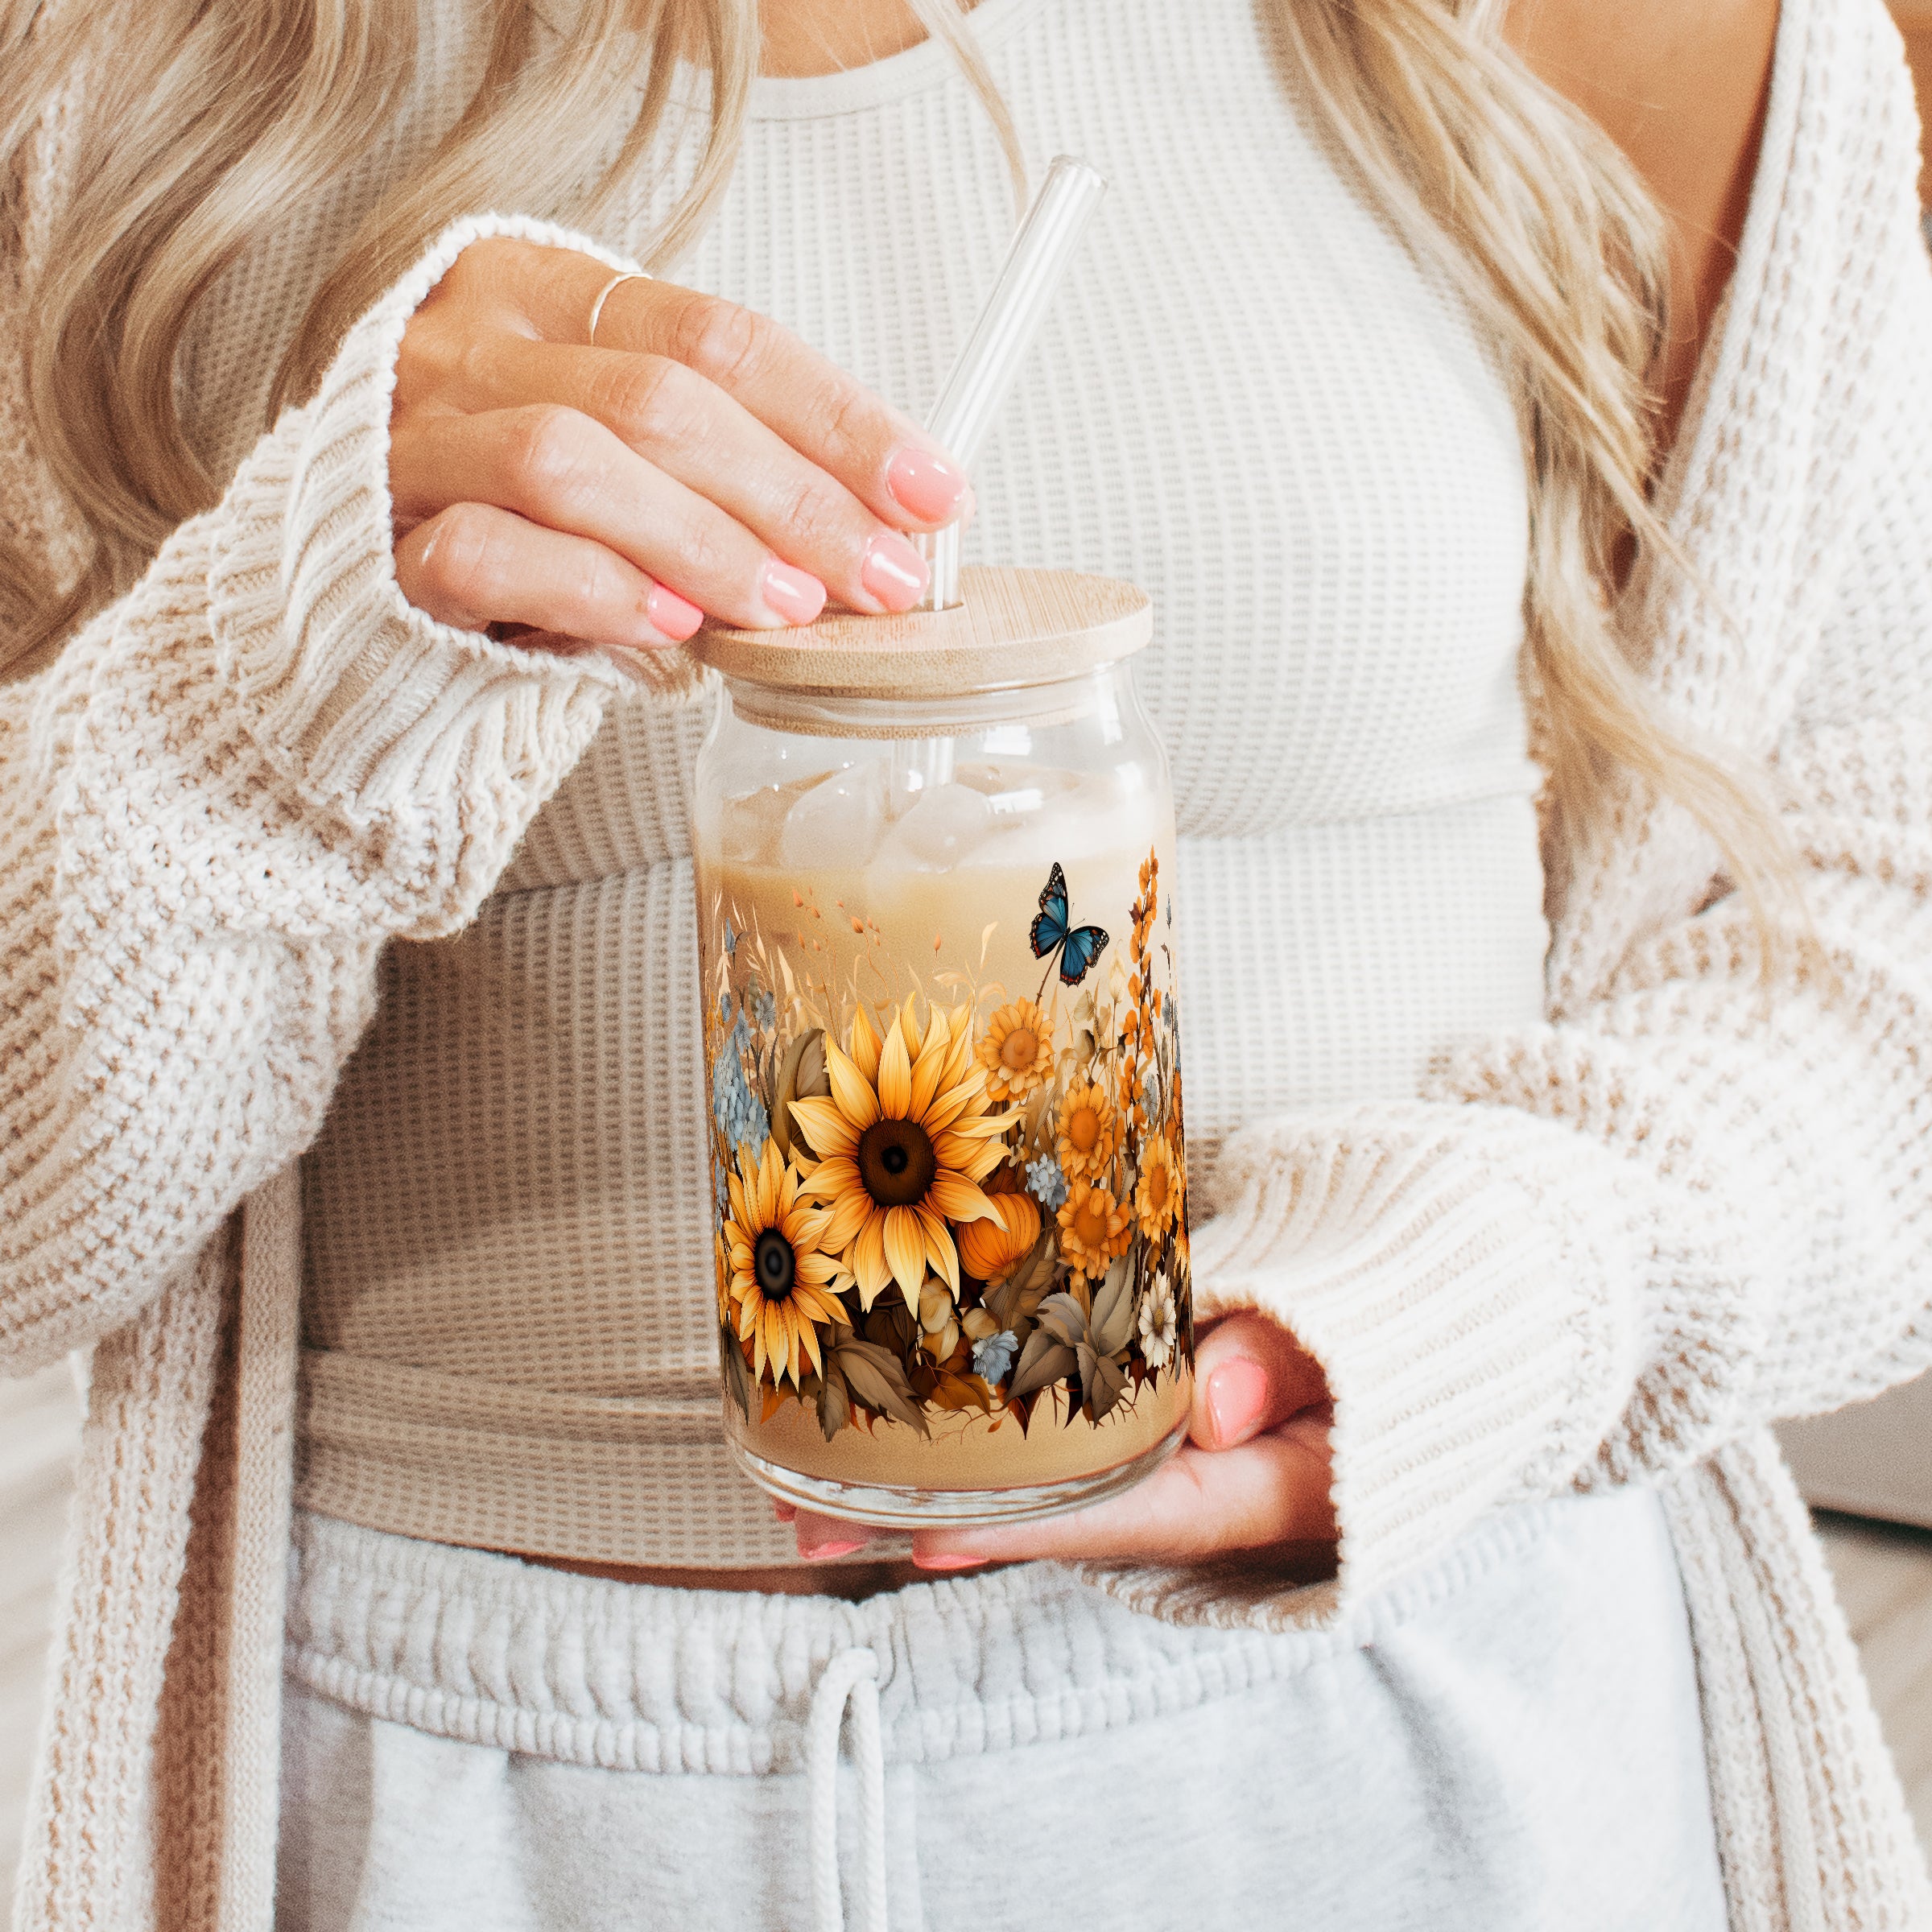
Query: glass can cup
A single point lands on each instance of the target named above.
(934, 863)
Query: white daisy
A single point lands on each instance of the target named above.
(1159, 1330)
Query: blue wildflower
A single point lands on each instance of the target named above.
(731, 939)
(992, 1358)
(764, 1009)
(739, 1112)
(1150, 1096)
(723, 1007)
(1045, 1182)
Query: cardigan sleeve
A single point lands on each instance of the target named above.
(1700, 1197)
(216, 805)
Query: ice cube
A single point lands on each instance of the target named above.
(1017, 787)
(749, 827)
(939, 832)
(1073, 819)
(839, 821)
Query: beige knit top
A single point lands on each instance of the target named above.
(1249, 401)
(1610, 1245)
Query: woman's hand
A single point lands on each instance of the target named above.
(1253, 1475)
(699, 461)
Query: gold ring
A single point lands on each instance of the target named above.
(603, 295)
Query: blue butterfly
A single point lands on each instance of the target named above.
(1078, 948)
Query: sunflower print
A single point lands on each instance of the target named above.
(1094, 1228)
(1087, 1133)
(780, 1283)
(902, 1144)
(1017, 1050)
(1157, 1200)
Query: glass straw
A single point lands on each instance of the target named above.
(986, 367)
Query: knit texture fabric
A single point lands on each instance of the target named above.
(509, 1310)
(1612, 1245)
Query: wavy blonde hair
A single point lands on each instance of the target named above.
(214, 117)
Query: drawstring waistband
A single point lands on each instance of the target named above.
(852, 1674)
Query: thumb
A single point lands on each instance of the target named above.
(1250, 1375)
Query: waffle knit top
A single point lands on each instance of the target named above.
(1608, 1244)
(1248, 400)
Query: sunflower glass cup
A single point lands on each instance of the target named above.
(935, 857)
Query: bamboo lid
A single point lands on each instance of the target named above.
(1014, 628)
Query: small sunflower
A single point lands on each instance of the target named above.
(1017, 1050)
(1094, 1228)
(1086, 1141)
(991, 1250)
(779, 1281)
(903, 1142)
(1157, 1199)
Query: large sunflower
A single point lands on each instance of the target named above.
(779, 1278)
(903, 1143)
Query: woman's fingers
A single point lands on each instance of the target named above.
(1274, 1488)
(1249, 1375)
(704, 445)
(822, 1538)
(693, 430)
(475, 565)
(553, 465)
(1256, 1472)
(824, 414)
(880, 454)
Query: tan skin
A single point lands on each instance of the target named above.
(696, 444)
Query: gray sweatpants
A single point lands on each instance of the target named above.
(1507, 1743)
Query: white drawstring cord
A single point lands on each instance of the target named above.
(853, 1675)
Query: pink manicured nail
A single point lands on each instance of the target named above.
(894, 571)
(1236, 1392)
(939, 1561)
(927, 485)
(670, 614)
(822, 1553)
(794, 595)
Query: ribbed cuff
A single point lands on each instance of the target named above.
(356, 696)
(1467, 1276)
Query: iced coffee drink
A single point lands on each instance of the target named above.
(943, 1049)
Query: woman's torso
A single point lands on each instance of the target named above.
(1250, 400)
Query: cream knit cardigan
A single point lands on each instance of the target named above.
(1612, 1248)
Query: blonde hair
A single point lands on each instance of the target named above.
(213, 117)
